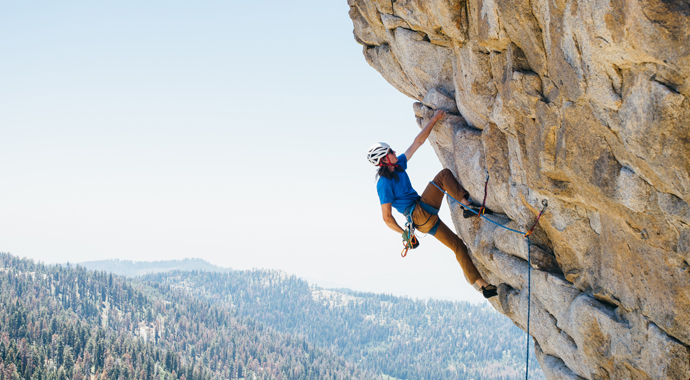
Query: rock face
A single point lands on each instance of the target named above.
(584, 104)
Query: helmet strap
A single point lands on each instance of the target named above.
(384, 162)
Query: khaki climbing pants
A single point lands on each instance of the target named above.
(425, 221)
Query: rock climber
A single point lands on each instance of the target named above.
(395, 191)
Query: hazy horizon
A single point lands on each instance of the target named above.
(232, 132)
(321, 282)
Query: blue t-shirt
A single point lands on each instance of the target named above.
(400, 193)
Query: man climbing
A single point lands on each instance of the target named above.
(395, 191)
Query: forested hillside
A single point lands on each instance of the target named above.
(404, 338)
(131, 268)
(66, 322)
(69, 323)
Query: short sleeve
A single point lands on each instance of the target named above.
(402, 161)
(385, 189)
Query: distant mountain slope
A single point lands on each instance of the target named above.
(396, 336)
(382, 334)
(65, 322)
(131, 268)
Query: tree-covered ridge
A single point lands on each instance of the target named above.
(70, 323)
(131, 268)
(396, 336)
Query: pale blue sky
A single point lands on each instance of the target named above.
(231, 131)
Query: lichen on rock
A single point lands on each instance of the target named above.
(584, 104)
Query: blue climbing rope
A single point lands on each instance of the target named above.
(529, 254)
(529, 302)
(483, 216)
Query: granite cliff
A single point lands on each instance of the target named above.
(583, 104)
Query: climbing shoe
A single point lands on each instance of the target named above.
(489, 291)
(468, 214)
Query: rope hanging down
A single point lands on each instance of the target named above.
(529, 302)
(544, 203)
(529, 282)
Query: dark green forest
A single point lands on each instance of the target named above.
(397, 336)
(67, 322)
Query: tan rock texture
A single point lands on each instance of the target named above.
(585, 104)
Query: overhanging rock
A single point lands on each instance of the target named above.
(584, 104)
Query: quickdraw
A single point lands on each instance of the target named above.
(544, 203)
(409, 239)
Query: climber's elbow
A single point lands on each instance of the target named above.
(387, 212)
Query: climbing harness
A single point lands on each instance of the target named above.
(527, 234)
(410, 240)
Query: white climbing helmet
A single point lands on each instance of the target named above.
(377, 151)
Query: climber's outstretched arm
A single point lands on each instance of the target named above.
(424, 134)
(387, 211)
